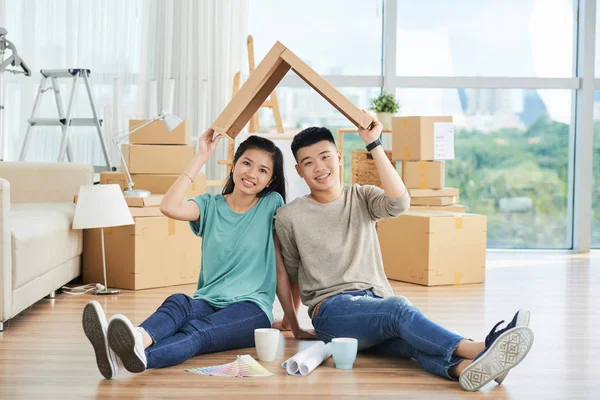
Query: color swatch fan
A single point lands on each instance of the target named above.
(243, 366)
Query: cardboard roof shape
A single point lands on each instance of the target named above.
(267, 75)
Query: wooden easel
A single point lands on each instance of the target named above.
(271, 103)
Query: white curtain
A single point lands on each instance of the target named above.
(103, 36)
(198, 44)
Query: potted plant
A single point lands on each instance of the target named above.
(385, 106)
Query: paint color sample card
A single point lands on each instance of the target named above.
(243, 366)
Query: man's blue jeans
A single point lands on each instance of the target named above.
(390, 326)
(183, 327)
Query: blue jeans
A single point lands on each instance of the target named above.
(183, 327)
(390, 326)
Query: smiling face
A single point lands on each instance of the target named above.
(319, 165)
(253, 171)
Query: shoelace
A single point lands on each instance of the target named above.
(493, 334)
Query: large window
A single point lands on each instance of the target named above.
(485, 38)
(596, 174)
(511, 164)
(335, 37)
(513, 130)
(301, 107)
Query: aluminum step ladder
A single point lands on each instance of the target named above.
(65, 120)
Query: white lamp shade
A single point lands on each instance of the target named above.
(171, 122)
(101, 206)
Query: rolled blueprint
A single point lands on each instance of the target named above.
(304, 362)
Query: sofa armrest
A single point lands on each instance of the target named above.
(38, 182)
(5, 253)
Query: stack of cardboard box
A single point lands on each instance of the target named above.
(157, 251)
(156, 158)
(422, 143)
(435, 242)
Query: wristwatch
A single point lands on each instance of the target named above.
(374, 144)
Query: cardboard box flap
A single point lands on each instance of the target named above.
(267, 75)
(358, 118)
(253, 93)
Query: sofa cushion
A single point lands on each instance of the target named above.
(41, 239)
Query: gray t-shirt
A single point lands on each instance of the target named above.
(333, 248)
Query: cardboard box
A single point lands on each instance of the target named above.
(157, 159)
(424, 174)
(267, 75)
(451, 208)
(434, 201)
(155, 252)
(153, 200)
(114, 178)
(145, 212)
(155, 183)
(161, 183)
(434, 248)
(445, 192)
(422, 138)
(156, 133)
(139, 210)
(364, 169)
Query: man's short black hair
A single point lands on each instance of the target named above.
(310, 136)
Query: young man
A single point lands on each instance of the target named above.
(330, 248)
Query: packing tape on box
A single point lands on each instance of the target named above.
(458, 222)
(403, 123)
(457, 278)
(406, 153)
(171, 227)
(423, 182)
(423, 167)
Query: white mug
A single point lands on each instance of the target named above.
(267, 343)
(344, 352)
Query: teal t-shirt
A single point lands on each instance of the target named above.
(238, 253)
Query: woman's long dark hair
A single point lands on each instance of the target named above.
(278, 179)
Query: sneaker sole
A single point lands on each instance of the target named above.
(505, 353)
(94, 331)
(522, 320)
(122, 342)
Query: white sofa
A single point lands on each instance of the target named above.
(39, 252)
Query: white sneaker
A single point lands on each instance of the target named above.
(506, 352)
(95, 327)
(127, 342)
(521, 318)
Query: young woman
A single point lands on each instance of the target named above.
(237, 282)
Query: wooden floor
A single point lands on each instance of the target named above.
(45, 355)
